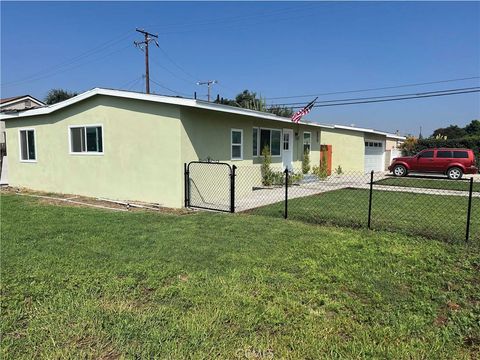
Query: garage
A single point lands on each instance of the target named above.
(374, 155)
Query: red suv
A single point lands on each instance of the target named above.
(452, 162)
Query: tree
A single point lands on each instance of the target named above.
(451, 132)
(249, 100)
(409, 145)
(473, 128)
(57, 95)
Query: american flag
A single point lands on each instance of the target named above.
(298, 115)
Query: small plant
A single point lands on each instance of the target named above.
(267, 173)
(306, 162)
(270, 177)
(294, 178)
(339, 170)
(321, 171)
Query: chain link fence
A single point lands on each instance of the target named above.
(429, 206)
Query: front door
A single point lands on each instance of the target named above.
(287, 146)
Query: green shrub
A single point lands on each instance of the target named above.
(306, 162)
(270, 177)
(339, 170)
(321, 171)
(294, 178)
(267, 173)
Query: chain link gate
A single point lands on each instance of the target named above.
(210, 185)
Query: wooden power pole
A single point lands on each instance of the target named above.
(148, 37)
(209, 84)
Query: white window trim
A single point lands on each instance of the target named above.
(375, 141)
(281, 142)
(20, 145)
(258, 142)
(232, 144)
(88, 153)
(310, 136)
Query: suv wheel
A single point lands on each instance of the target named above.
(399, 170)
(454, 173)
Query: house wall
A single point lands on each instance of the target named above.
(348, 149)
(2, 132)
(19, 105)
(141, 159)
(206, 134)
(392, 151)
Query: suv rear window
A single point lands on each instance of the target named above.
(460, 154)
(444, 154)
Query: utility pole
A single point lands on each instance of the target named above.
(148, 37)
(209, 83)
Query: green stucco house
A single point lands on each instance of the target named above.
(130, 146)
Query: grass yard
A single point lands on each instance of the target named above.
(445, 184)
(87, 283)
(434, 216)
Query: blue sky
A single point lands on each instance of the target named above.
(274, 48)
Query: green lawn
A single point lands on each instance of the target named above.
(460, 185)
(434, 216)
(87, 283)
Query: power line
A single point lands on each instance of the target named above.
(177, 65)
(75, 66)
(131, 83)
(172, 73)
(394, 99)
(54, 69)
(381, 97)
(374, 89)
(230, 19)
(167, 88)
(240, 25)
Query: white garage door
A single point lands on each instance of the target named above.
(374, 155)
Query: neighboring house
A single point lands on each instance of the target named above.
(130, 146)
(17, 103)
(393, 149)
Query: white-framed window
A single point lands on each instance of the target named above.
(255, 151)
(307, 142)
(28, 151)
(236, 144)
(86, 139)
(272, 138)
(286, 141)
(370, 143)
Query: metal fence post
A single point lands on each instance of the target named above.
(285, 215)
(232, 189)
(469, 209)
(186, 178)
(370, 201)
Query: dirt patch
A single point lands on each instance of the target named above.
(123, 305)
(183, 277)
(103, 351)
(58, 199)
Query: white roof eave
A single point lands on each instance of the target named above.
(149, 97)
(16, 100)
(199, 104)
